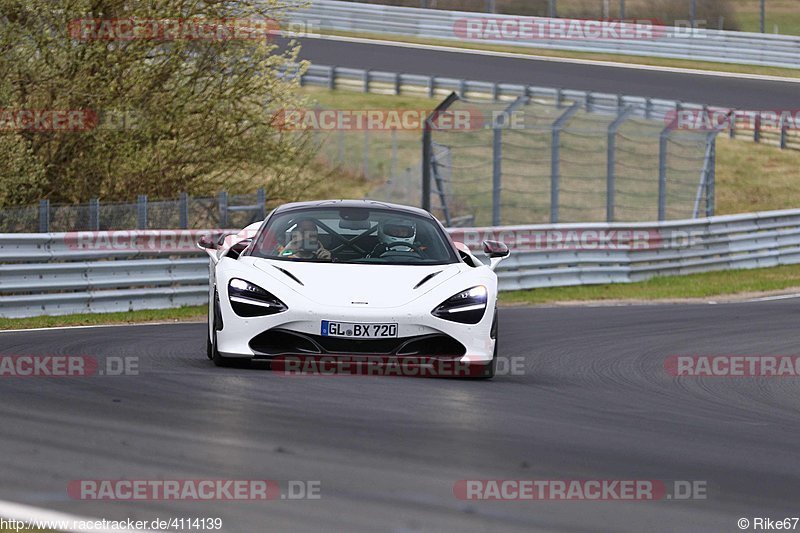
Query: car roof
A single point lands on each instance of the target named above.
(364, 204)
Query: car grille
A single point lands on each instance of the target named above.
(284, 342)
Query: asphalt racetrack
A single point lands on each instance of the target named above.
(592, 401)
(748, 94)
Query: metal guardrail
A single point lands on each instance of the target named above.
(51, 274)
(669, 42)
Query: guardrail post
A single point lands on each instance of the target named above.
(559, 97)
(662, 173)
(588, 101)
(366, 81)
(784, 128)
(141, 211)
(494, 91)
(611, 161)
(732, 122)
(757, 128)
(622, 9)
(94, 214)
(648, 108)
(431, 86)
(332, 78)
(555, 159)
(44, 216)
(183, 207)
(462, 88)
(223, 209)
(261, 196)
(397, 84)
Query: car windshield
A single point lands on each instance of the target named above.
(353, 235)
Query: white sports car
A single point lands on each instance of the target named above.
(351, 279)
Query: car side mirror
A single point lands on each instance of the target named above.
(495, 249)
(207, 242)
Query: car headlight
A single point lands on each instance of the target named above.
(466, 307)
(249, 300)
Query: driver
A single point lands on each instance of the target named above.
(304, 243)
(396, 235)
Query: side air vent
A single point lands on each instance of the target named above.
(289, 274)
(426, 279)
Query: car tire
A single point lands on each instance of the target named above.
(212, 351)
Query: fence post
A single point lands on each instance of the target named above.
(141, 211)
(662, 173)
(611, 161)
(712, 178)
(262, 202)
(393, 159)
(366, 153)
(223, 209)
(44, 216)
(501, 121)
(183, 206)
(555, 159)
(497, 170)
(622, 9)
(552, 9)
(427, 149)
(94, 214)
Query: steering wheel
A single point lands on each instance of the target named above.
(389, 248)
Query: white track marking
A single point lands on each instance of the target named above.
(30, 515)
(517, 55)
(773, 298)
(56, 328)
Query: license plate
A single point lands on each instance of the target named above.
(358, 331)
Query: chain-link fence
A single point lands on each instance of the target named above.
(535, 160)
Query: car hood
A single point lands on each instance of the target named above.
(376, 286)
